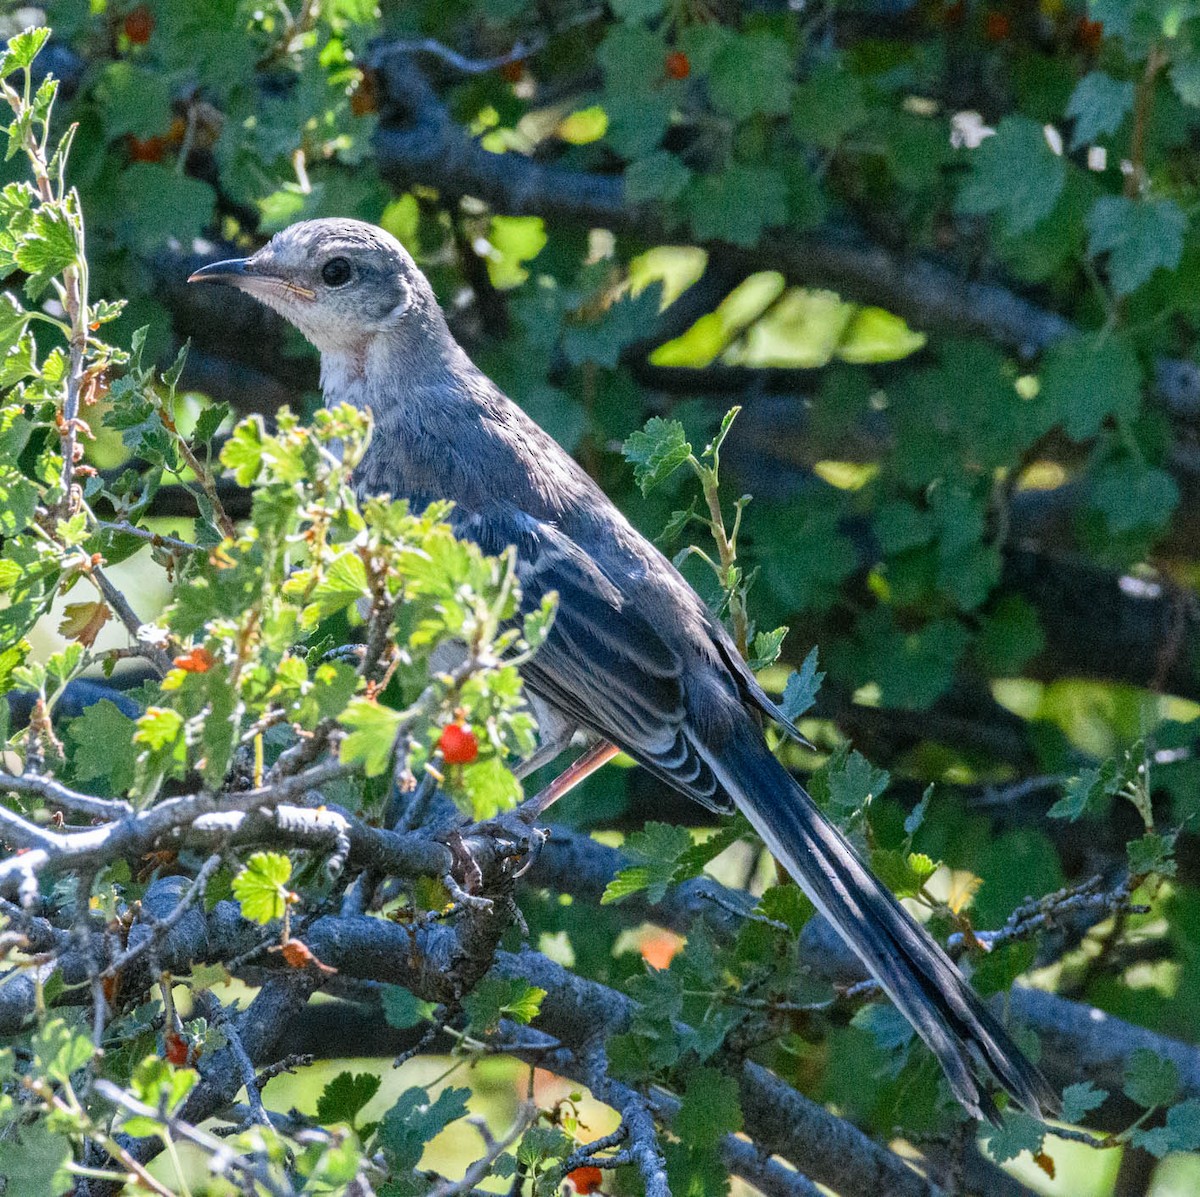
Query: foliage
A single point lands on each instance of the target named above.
(975, 499)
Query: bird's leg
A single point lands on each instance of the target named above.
(599, 754)
(550, 745)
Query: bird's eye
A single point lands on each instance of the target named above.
(336, 272)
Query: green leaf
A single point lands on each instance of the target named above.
(904, 873)
(829, 105)
(737, 205)
(61, 1050)
(656, 452)
(158, 728)
(1017, 1133)
(373, 730)
(495, 998)
(656, 851)
(752, 75)
(658, 176)
(102, 739)
(156, 204)
(159, 1085)
(710, 1107)
(344, 583)
(261, 887)
(1181, 1132)
(133, 100)
(1086, 793)
(602, 341)
(208, 423)
(22, 49)
(632, 59)
(1014, 175)
(35, 1163)
(46, 249)
(1086, 379)
(415, 1119)
(344, 1097)
(489, 787)
(800, 693)
(1009, 636)
(1153, 853)
(243, 451)
(1079, 1100)
(1150, 1079)
(402, 1008)
(1139, 236)
(1098, 105)
(766, 649)
(1131, 495)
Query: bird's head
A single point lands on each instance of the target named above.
(340, 282)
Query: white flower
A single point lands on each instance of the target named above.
(152, 634)
(967, 130)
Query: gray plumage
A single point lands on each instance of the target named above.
(634, 655)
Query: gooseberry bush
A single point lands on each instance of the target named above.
(273, 918)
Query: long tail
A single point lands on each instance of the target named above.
(912, 969)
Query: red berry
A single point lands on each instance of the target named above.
(139, 25)
(458, 744)
(195, 660)
(586, 1180)
(677, 65)
(513, 72)
(997, 26)
(151, 149)
(954, 15)
(175, 1049)
(1089, 33)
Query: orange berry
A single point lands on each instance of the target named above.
(458, 744)
(997, 27)
(139, 25)
(365, 97)
(195, 660)
(512, 72)
(677, 65)
(586, 1180)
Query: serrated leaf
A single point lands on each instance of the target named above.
(1079, 1099)
(657, 850)
(1150, 1079)
(1019, 1132)
(344, 1097)
(61, 1050)
(1153, 853)
(766, 648)
(261, 886)
(656, 452)
(800, 693)
(1086, 793)
(102, 742)
(658, 176)
(737, 205)
(1181, 1132)
(209, 422)
(1014, 175)
(1098, 105)
(373, 730)
(1139, 237)
(495, 998)
(1087, 379)
(752, 74)
(414, 1120)
(402, 1008)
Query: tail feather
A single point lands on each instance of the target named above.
(909, 965)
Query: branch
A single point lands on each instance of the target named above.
(418, 142)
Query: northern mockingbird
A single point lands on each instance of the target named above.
(634, 655)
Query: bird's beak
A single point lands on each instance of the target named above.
(244, 274)
(232, 272)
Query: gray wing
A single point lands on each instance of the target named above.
(603, 664)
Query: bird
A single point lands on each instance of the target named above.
(634, 656)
